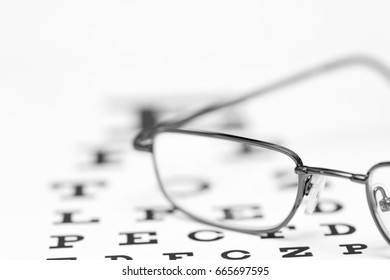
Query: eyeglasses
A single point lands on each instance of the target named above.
(199, 176)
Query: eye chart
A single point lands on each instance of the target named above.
(90, 195)
(79, 79)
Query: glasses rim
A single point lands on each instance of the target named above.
(372, 203)
(238, 139)
(243, 140)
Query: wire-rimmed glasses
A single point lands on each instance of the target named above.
(244, 194)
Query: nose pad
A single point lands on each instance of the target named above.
(316, 185)
(384, 203)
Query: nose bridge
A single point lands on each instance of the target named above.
(354, 177)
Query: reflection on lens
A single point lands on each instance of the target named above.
(242, 190)
(379, 196)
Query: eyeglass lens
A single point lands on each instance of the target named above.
(226, 182)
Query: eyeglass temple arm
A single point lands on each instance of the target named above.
(357, 60)
(143, 139)
(357, 178)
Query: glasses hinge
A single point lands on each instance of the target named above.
(144, 140)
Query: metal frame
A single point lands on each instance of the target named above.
(297, 160)
(372, 203)
(145, 138)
